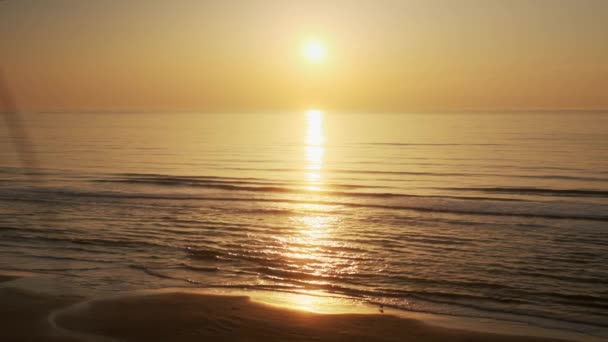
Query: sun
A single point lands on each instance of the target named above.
(314, 51)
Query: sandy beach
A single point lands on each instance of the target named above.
(23, 314)
(179, 316)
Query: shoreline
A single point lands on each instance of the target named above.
(192, 314)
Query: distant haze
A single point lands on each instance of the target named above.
(246, 55)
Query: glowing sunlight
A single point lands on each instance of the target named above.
(314, 51)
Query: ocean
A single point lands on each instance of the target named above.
(500, 216)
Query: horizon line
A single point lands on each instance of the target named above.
(343, 111)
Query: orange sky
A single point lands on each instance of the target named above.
(384, 55)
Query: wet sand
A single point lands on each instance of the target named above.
(23, 314)
(179, 316)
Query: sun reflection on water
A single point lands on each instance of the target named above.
(312, 301)
(314, 229)
(312, 257)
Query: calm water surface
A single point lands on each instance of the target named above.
(483, 215)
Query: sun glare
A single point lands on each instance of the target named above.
(314, 51)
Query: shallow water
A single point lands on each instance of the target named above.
(485, 215)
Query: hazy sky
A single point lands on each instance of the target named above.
(230, 55)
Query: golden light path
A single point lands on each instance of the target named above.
(306, 248)
(313, 148)
(314, 229)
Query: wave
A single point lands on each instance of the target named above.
(292, 275)
(537, 191)
(203, 254)
(198, 268)
(155, 273)
(276, 189)
(463, 174)
(434, 174)
(221, 182)
(491, 211)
